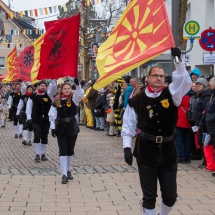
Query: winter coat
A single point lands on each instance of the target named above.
(99, 110)
(92, 96)
(183, 121)
(196, 72)
(127, 94)
(200, 105)
(210, 118)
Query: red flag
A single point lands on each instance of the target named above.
(26, 62)
(59, 52)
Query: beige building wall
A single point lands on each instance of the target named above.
(4, 51)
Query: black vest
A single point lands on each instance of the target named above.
(67, 110)
(16, 97)
(158, 117)
(41, 107)
(25, 100)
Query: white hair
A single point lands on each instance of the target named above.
(212, 82)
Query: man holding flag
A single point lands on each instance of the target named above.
(154, 112)
(142, 33)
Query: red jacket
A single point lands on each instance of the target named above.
(183, 122)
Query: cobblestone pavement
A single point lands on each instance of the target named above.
(102, 185)
(94, 153)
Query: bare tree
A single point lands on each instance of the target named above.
(182, 19)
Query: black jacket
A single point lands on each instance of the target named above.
(210, 118)
(200, 105)
(99, 110)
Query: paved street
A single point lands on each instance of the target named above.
(102, 185)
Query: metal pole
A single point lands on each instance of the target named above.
(175, 20)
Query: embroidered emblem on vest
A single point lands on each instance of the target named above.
(45, 99)
(165, 103)
(151, 113)
(148, 107)
(68, 104)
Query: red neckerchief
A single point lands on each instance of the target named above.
(154, 90)
(28, 94)
(16, 92)
(39, 92)
(64, 97)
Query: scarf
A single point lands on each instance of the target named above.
(39, 92)
(28, 94)
(154, 90)
(64, 97)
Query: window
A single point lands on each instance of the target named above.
(2, 62)
(8, 37)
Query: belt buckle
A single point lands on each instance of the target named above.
(68, 119)
(159, 139)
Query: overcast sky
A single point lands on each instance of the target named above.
(21, 5)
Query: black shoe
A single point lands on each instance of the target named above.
(29, 143)
(24, 142)
(44, 158)
(69, 175)
(3, 126)
(181, 161)
(20, 136)
(16, 136)
(187, 161)
(64, 180)
(196, 157)
(213, 174)
(37, 158)
(101, 129)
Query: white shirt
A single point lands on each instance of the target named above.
(76, 98)
(181, 84)
(52, 90)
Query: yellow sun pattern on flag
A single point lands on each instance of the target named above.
(137, 38)
(133, 38)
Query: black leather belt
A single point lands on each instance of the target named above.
(68, 119)
(156, 139)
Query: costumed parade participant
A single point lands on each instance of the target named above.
(4, 111)
(37, 109)
(64, 125)
(27, 124)
(13, 102)
(154, 112)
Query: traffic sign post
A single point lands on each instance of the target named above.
(191, 30)
(207, 41)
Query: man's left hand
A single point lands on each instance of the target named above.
(176, 52)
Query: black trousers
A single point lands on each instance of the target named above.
(41, 132)
(26, 124)
(66, 144)
(13, 116)
(167, 178)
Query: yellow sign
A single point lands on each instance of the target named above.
(192, 30)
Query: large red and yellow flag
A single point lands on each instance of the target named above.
(12, 65)
(142, 33)
(37, 48)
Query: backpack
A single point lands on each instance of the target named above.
(189, 112)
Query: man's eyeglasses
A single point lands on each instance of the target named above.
(157, 76)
